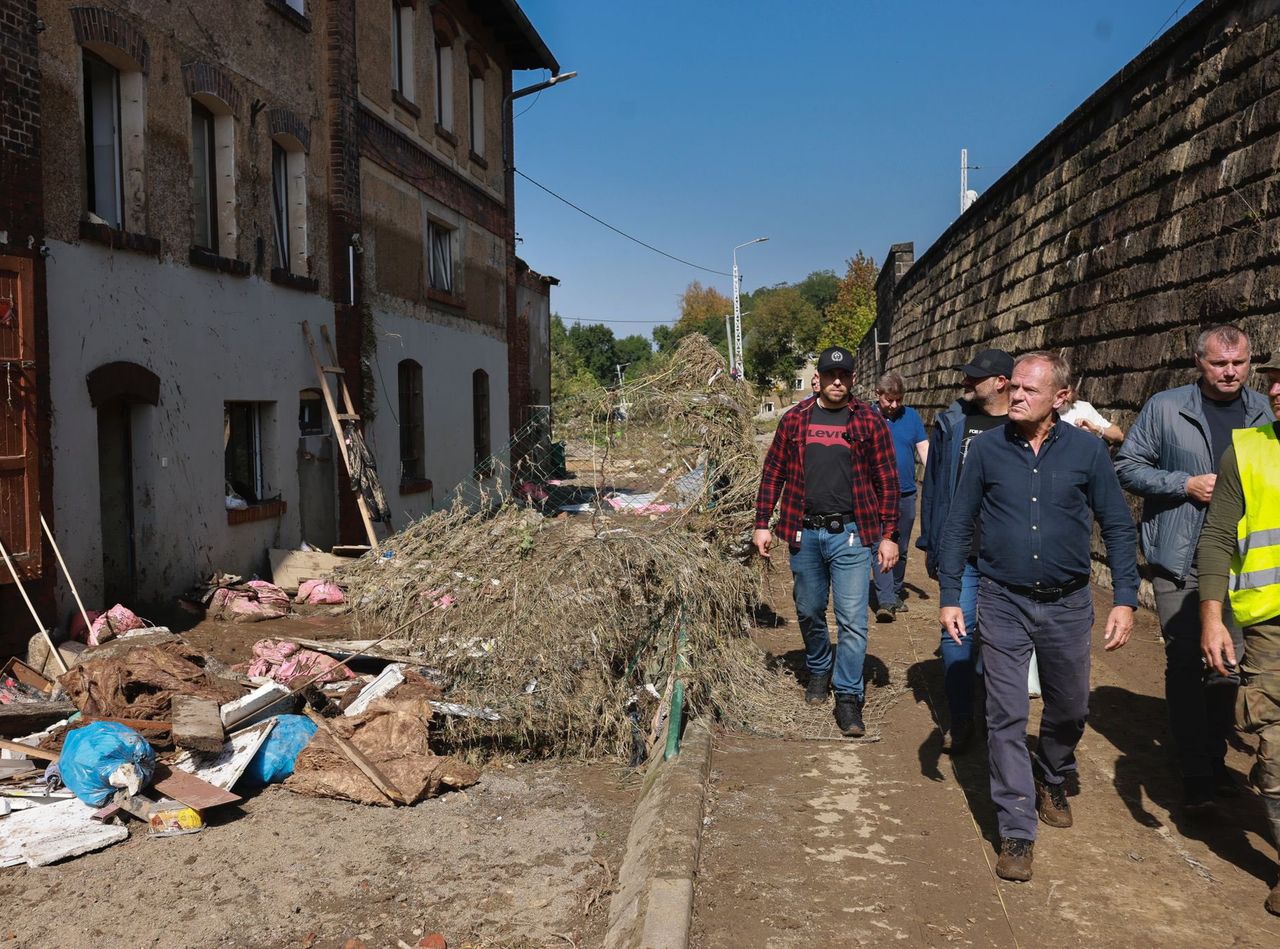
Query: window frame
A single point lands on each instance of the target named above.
(412, 422)
(481, 426)
(402, 61)
(201, 112)
(280, 204)
(444, 84)
(91, 62)
(445, 281)
(253, 439)
(476, 108)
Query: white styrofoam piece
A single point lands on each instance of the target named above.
(223, 768)
(241, 709)
(52, 832)
(385, 681)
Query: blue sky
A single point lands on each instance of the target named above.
(827, 126)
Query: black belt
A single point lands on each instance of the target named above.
(1047, 594)
(832, 522)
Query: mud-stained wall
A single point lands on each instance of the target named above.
(1147, 214)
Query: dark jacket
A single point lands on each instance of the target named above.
(1168, 444)
(941, 472)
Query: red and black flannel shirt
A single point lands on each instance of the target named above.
(875, 474)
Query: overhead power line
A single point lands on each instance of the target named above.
(680, 260)
(1166, 22)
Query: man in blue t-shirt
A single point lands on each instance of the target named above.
(909, 442)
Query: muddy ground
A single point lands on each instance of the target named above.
(833, 843)
(525, 858)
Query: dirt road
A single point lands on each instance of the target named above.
(833, 843)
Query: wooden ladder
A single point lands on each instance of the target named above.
(347, 427)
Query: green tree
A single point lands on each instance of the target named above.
(635, 352)
(597, 348)
(854, 310)
(569, 375)
(702, 310)
(820, 288)
(779, 320)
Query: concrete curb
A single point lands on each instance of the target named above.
(653, 905)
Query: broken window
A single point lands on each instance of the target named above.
(440, 248)
(104, 177)
(242, 448)
(413, 463)
(480, 417)
(205, 179)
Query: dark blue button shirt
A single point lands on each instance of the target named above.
(1037, 513)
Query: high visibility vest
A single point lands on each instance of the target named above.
(1255, 568)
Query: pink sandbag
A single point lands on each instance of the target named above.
(319, 591)
(119, 619)
(285, 661)
(260, 601)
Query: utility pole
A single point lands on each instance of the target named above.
(967, 197)
(737, 307)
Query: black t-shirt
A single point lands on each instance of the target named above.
(1223, 419)
(828, 462)
(976, 422)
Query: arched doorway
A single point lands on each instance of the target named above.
(115, 390)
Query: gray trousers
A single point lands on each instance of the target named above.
(1201, 708)
(1060, 634)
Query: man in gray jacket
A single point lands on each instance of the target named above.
(1170, 459)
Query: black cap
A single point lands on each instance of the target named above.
(835, 357)
(989, 362)
(1273, 365)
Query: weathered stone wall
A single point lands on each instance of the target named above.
(1147, 214)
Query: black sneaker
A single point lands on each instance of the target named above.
(1015, 859)
(816, 692)
(900, 606)
(849, 716)
(1197, 796)
(1224, 782)
(885, 614)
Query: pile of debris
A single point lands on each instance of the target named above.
(576, 632)
(162, 733)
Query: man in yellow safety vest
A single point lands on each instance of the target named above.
(1239, 552)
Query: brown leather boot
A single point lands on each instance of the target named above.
(1015, 859)
(1273, 817)
(1051, 802)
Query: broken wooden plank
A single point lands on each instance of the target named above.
(290, 567)
(197, 724)
(224, 769)
(386, 680)
(240, 711)
(28, 676)
(196, 794)
(357, 758)
(40, 836)
(138, 724)
(28, 750)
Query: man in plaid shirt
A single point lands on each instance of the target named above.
(832, 462)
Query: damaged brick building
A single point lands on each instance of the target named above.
(180, 189)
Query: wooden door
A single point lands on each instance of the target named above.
(19, 447)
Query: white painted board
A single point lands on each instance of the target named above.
(385, 681)
(240, 711)
(223, 769)
(44, 835)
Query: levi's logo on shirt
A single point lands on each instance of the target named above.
(826, 435)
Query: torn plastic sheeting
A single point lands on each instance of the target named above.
(274, 761)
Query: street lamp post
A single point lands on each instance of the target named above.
(728, 339)
(737, 308)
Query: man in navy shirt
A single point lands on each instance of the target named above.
(1037, 483)
(909, 441)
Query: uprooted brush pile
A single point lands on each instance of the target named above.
(575, 630)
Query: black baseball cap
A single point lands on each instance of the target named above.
(989, 362)
(835, 357)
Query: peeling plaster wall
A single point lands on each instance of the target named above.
(448, 357)
(210, 339)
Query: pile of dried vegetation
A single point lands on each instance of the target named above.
(575, 629)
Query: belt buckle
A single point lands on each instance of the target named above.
(834, 525)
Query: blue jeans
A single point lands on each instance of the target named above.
(1060, 633)
(837, 565)
(889, 585)
(958, 660)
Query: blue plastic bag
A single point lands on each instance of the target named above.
(274, 760)
(90, 755)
